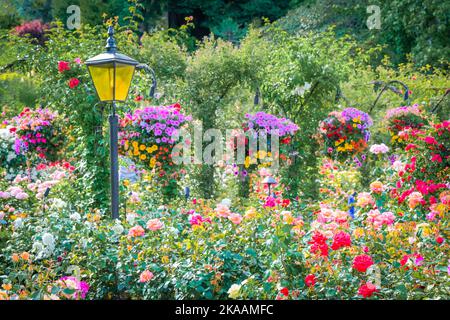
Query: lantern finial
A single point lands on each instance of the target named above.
(111, 42)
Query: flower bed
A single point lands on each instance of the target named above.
(388, 240)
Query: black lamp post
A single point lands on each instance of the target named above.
(112, 73)
(269, 180)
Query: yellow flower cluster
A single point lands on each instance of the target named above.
(261, 154)
(140, 151)
(356, 121)
(347, 147)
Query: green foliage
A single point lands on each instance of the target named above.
(167, 58)
(300, 78)
(213, 71)
(16, 92)
(9, 16)
(416, 27)
(427, 86)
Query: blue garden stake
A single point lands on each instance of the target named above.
(44, 202)
(187, 192)
(351, 211)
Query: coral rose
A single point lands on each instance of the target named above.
(377, 187)
(236, 218)
(136, 231)
(154, 224)
(146, 276)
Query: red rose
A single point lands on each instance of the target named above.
(177, 106)
(310, 280)
(63, 66)
(430, 140)
(410, 146)
(285, 203)
(73, 82)
(436, 157)
(318, 244)
(284, 292)
(367, 289)
(286, 140)
(362, 262)
(340, 240)
(440, 240)
(138, 98)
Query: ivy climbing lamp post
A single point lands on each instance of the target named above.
(111, 73)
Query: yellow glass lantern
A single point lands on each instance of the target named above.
(111, 72)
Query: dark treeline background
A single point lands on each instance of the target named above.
(419, 28)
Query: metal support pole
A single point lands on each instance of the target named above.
(114, 154)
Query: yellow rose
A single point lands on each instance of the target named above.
(233, 292)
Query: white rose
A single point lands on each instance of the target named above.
(18, 223)
(130, 218)
(48, 239)
(37, 247)
(75, 216)
(226, 202)
(118, 228)
(58, 203)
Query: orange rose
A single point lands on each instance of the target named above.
(25, 256)
(377, 187)
(15, 257)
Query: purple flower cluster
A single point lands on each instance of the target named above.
(362, 120)
(162, 122)
(271, 124)
(350, 114)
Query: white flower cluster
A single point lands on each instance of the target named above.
(7, 144)
(45, 248)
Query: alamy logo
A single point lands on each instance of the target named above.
(74, 20)
(238, 147)
(374, 20)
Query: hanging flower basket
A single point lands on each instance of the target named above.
(148, 136)
(345, 133)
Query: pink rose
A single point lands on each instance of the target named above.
(154, 224)
(136, 231)
(21, 196)
(222, 210)
(236, 218)
(146, 276)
